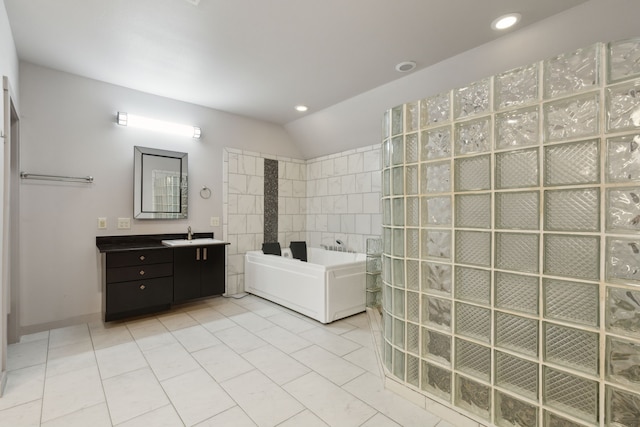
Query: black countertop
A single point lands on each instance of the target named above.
(143, 241)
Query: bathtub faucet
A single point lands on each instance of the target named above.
(340, 246)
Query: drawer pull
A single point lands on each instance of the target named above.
(197, 254)
(142, 272)
(204, 251)
(142, 258)
(142, 287)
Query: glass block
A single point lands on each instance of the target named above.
(412, 181)
(473, 396)
(571, 118)
(411, 148)
(412, 242)
(623, 107)
(398, 211)
(623, 159)
(571, 301)
(473, 173)
(386, 269)
(623, 362)
(412, 208)
(553, 420)
(398, 273)
(412, 116)
(436, 143)
(473, 211)
(398, 335)
(374, 264)
(517, 252)
(623, 311)
(386, 153)
(572, 256)
(473, 247)
(436, 211)
(572, 348)
(398, 303)
(412, 269)
(396, 120)
(413, 339)
(622, 408)
(473, 136)
(397, 181)
(435, 109)
(388, 356)
(374, 299)
(413, 370)
(519, 210)
(436, 278)
(413, 310)
(436, 244)
(516, 292)
(435, 177)
(374, 246)
(518, 128)
(623, 59)
(575, 163)
(572, 72)
(519, 334)
(397, 151)
(436, 380)
(572, 210)
(473, 359)
(473, 285)
(472, 99)
(374, 281)
(398, 242)
(571, 394)
(516, 87)
(386, 240)
(473, 322)
(436, 312)
(387, 300)
(517, 169)
(386, 182)
(386, 124)
(623, 209)
(517, 375)
(399, 364)
(436, 346)
(623, 260)
(512, 412)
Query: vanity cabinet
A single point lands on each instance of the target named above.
(198, 272)
(137, 282)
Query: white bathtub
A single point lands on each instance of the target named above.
(330, 286)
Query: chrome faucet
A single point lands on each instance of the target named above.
(189, 233)
(340, 245)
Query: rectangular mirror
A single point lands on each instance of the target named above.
(160, 184)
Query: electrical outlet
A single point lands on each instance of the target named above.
(102, 223)
(124, 223)
(215, 221)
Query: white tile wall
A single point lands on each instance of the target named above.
(319, 200)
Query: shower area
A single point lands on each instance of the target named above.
(511, 243)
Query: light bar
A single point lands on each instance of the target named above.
(125, 119)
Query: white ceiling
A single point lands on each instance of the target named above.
(256, 58)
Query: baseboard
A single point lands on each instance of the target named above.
(87, 318)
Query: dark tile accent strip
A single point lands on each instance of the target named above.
(270, 200)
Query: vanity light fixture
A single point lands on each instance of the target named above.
(126, 119)
(301, 108)
(506, 21)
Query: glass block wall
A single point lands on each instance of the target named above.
(511, 245)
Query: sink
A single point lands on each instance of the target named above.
(192, 242)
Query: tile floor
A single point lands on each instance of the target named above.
(219, 362)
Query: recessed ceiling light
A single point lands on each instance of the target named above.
(406, 66)
(506, 21)
(301, 108)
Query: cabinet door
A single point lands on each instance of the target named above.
(212, 274)
(186, 273)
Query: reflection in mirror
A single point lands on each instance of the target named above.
(160, 184)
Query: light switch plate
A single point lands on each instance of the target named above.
(102, 223)
(124, 223)
(215, 221)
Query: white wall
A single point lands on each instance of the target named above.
(356, 122)
(68, 128)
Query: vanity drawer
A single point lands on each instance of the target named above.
(141, 257)
(142, 272)
(139, 294)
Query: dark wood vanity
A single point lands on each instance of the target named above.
(140, 275)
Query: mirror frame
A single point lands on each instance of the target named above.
(139, 190)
